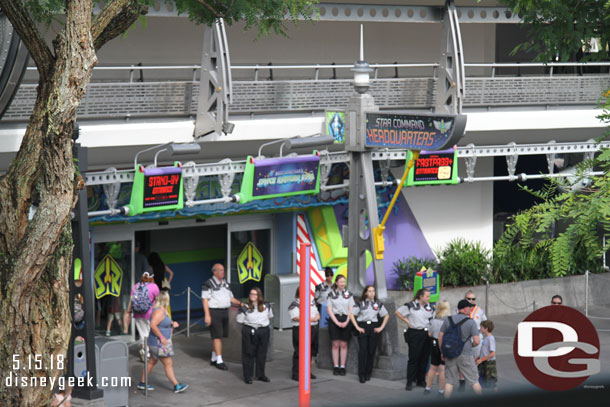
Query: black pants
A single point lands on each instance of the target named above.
(419, 352)
(367, 342)
(295, 346)
(254, 344)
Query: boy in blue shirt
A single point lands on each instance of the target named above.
(486, 361)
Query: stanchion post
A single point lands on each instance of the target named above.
(304, 327)
(587, 293)
(146, 366)
(188, 311)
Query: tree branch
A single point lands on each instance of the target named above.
(26, 28)
(104, 18)
(115, 19)
(206, 5)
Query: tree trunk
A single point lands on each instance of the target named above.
(36, 254)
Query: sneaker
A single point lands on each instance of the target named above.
(142, 386)
(426, 392)
(107, 333)
(179, 388)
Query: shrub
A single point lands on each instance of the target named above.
(463, 263)
(406, 268)
(518, 263)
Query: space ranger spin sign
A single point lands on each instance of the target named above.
(277, 177)
(413, 131)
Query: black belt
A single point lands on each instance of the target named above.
(418, 329)
(368, 322)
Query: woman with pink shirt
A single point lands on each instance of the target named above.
(142, 319)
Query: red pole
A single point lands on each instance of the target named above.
(304, 327)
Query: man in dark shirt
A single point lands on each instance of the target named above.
(464, 363)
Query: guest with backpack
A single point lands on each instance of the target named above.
(456, 348)
(143, 296)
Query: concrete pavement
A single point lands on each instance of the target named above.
(212, 387)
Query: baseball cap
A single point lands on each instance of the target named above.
(464, 304)
(147, 274)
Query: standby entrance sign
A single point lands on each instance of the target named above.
(423, 131)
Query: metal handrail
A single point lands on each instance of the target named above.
(256, 68)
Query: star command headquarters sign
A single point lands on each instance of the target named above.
(422, 131)
(108, 278)
(250, 264)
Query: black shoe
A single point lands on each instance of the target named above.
(221, 366)
(295, 378)
(362, 379)
(367, 377)
(336, 371)
(213, 362)
(421, 384)
(408, 387)
(264, 379)
(342, 371)
(313, 377)
(426, 392)
(248, 381)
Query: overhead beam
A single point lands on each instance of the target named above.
(381, 13)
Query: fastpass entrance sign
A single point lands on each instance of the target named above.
(157, 189)
(433, 168)
(423, 131)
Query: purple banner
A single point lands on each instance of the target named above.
(281, 176)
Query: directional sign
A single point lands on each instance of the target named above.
(433, 168)
(424, 131)
(108, 278)
(250, 264)
(157, 189)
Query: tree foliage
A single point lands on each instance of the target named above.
(568, 223)
(560, 28)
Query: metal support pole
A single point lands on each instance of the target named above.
(534, 305)
(363, 216)
(304, 327)
(587, 293)
(82, 251)
(188, 311)
(487, 298)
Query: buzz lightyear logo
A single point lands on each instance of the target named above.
(108, 278)
(250, 264)
(335, 126)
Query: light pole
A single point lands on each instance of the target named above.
(363, 217)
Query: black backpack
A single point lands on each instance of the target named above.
(452, 340)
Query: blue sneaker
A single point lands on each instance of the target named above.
(142, 386)
(179, 388)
